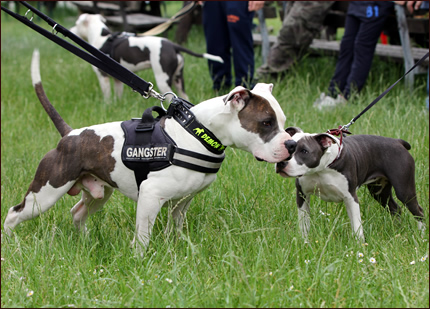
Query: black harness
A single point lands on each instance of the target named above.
(147, 147)
(114, 39)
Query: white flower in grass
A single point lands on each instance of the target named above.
(360, 261)
(270, 274)
(291, 288)
(30, 293)
(307, 261)
(142, 282)
(412, 263)
(423, 258)
(372, 260)
(101, 270)
(360, 254)
(2, 259)
(95, 271)
(169, 280)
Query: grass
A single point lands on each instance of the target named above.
(241, 245)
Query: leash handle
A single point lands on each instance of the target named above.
(386, 91)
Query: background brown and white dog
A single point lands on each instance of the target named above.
(136, 53)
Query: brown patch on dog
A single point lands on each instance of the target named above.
(75, 156)
(259, 117)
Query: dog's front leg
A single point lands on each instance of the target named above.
(104, 82)
(353, 210)
(118, 88)
(148, 208)
(304, 211)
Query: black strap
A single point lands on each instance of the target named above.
(144, 132)
(93, 56)
(179, 109)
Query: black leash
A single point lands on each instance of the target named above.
(91, 55)
(344, 129)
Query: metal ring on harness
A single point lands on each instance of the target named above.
(31, 15)
(164, 98)
(53, 29)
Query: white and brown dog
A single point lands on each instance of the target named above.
(89, 159)
(136, 53)
(334, 171)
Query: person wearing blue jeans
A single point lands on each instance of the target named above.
(228, 32)
(363, 26)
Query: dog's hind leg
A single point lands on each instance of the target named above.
(34, 203)
(178, 78)
(403, 182)
(47, 187)
(87, 206)
(381, 192)
(178, 214)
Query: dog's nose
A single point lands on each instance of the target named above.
(290, 145)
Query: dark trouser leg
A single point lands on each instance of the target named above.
(239, 22)
(217, 42)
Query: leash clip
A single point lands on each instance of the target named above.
(346, 127)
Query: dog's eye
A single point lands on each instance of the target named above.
(304, 151)
(267, 123)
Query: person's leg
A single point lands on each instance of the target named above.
(239, 21)
(364, 50)
(217, 42)
(300, 26)
(346, 55)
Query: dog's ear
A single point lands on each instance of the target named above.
(102, 18)
(263, 87)
(325, 140)
(293, 130)
(238, 98)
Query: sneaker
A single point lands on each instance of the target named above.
(326, 101)
(318, 101)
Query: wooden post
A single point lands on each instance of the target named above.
(406, 45)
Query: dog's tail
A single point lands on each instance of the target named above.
(205, 55)
(59, 123)
(405, 144)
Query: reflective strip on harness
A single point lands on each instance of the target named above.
(196, 161)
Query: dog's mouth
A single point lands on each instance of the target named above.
(286, 160)
(280, 167)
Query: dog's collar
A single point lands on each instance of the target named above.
(340, 145)
(180, 110)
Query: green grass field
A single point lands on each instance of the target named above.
(241, 245)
